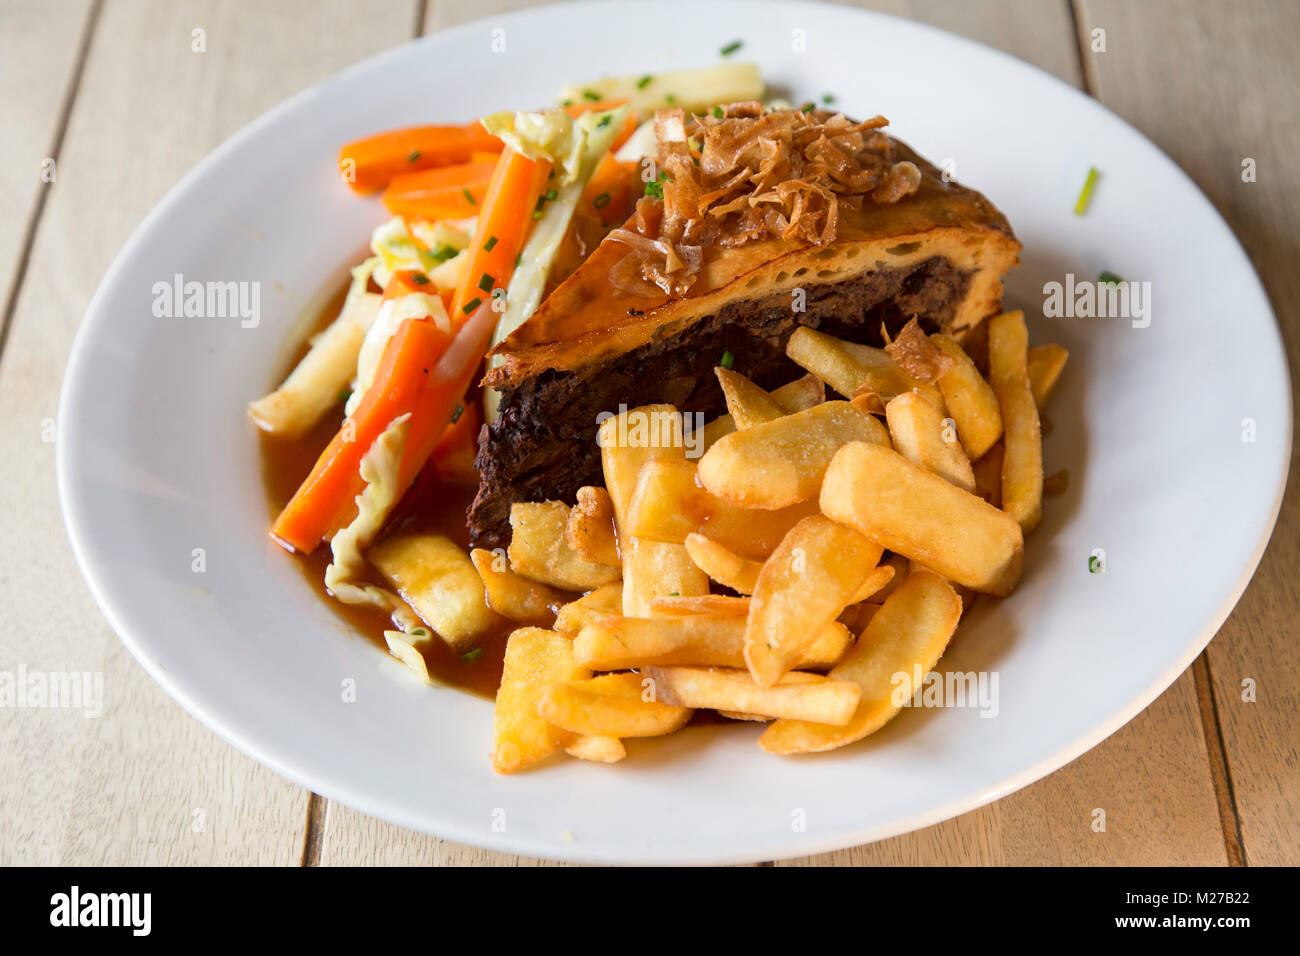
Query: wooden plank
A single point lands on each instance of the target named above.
(144, 783)
(40, 46)
(1213, 88)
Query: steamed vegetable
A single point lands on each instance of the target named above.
(397, 308)
(692, 90)
(452, 192)
(313, 387)
(345, 577)
(424, 372)
(506, 213)
(369, 164)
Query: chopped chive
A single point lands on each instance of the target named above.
(443, 253)
(420, 278)
(469, 197)
(808, 107)
(642, 83)
(492, 241)
(605, 120)
(566, 102)
(1109, 278)
(1094, 564)
(674, 594)
(718, 112)
(828, 98)
(549, 195)
(519, 260)
(728, 360)
(413, 155)
(670, 98)
(471, 305)
(1085, 196)
(486, 282)
(344, 395)
(537, 214)
(591, 95)
(419, 632)
(455, 416)
(731, 48)
(469, 657)
(601, 201)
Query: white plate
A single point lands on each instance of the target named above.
(156, 457)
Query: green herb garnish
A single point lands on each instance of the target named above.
(413, 155)
(420, 278)
(1085, 196)
(419, 632)
(670, 98)
(490, 244)
(1094, 564)
(471, 305)
(605, 120)
(455, 416)
(808, 107)
(549, 195)
(642, 83)
(655, 187)
(731, 48)
(469, 197)
(344, 395)
(728, 360)
(469, 657)
(485, 282)
(591, 95)
(443, 253)
(828, 98)
(718, 112)
(566, 102)
(601, 201)
(1109, 278)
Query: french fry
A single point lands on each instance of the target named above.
(796, 396)
(988, 476)
(920, 433)
(436, 578)
(590, 528)
(611, 705)
(846, 367)
(903, 507)
(594, 606)
(597, 749)
(797, 696)
(722, 564)
(719, 604)
(752, 532)
(650, 568)
(1044, 365)
(514, 596)
(902, 568)
(747, 404)
(539, 551)
(905, 637)
(535, 659)
(617, 643)
(782, 462)
(669, 502)
(1022, 442)
(879, 577)
(804, 585)
(736, 715)
(970, 399)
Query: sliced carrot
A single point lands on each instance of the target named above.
(405, 281)
(503, 223)
(451, 192)
(453, 456)
(368, 164)
(424, 372)
(588, 106)
(612, 191)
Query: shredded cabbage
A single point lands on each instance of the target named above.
(345, 576)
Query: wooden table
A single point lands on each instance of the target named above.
(113, 92)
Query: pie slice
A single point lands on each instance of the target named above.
(854, 249)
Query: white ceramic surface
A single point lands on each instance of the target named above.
(156, 457)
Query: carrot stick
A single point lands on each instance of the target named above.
(424, 372)
(451, 192)
(368, 164)
(503, 222)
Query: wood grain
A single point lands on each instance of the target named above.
(1212, 88)
(145, 783)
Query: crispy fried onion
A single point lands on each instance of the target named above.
(748, 175)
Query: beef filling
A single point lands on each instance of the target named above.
(542, 446)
